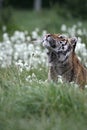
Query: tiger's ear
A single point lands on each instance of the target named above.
(73, 42)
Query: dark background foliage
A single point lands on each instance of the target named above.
(11, 11)
(75, 7)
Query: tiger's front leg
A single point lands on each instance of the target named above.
(52, 74)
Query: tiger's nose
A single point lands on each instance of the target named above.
(47, 37)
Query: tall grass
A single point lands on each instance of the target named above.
(36, 104)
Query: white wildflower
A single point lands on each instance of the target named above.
(79, 32)
(79, 24)
(34, 35)
(28, 78)
(63, 28)
(4, 28)
(60, 79)
(85, 86)
(28, 38)
(33, 75)
(19, 63)
(44, 33)
(5, 37)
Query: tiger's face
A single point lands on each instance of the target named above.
(60, 45)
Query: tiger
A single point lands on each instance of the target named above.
(63, 61)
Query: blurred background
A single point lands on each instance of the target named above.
(43, 14)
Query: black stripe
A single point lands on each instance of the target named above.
(64, 52)
(72, 71)
(72, 76)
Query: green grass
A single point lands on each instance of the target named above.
(38, 105)
(49, 20)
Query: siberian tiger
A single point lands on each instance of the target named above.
(63, 60)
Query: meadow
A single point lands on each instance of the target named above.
(27, 101)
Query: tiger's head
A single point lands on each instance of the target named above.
(59, 45)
